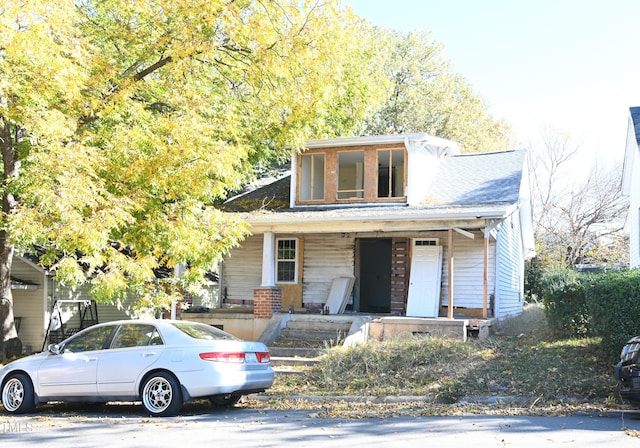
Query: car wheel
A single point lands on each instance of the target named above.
(225, 400)
(17, 394)
(161, 395)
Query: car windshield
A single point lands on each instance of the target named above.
(202, 331)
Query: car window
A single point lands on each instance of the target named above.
(202, 331)
(136, 335)
(89, 340)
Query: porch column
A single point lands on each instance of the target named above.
(485, 277)
(267, 301)
(450, 308)
(268, 260)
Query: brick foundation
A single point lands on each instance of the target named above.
(267, 301)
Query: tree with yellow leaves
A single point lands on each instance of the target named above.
(122, 121)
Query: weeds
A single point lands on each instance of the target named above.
(522, 360)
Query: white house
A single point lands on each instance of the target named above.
(421, 229)
(631, 185)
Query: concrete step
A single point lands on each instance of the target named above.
(307, 334)
(285, 370)
(295, 352)
(318, 325)
(309, 343)
(290, 361)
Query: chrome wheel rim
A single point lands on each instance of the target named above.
(13, 395)
(157, 395)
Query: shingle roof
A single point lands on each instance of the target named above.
(475, 179)
(465, 180)
(273, 196)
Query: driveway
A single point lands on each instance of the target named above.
(125, 425)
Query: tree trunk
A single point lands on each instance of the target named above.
(10, 345)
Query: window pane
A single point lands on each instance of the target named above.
(286, 271)
(312, 177)
(202, 331)
(286, 249)
(351, 175)
(134, 335)
(286, 261)
(391, 173)
(90, 340)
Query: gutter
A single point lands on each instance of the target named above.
(314, 217)
(380, 140)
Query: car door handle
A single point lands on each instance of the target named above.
(147, 354)
(90, 359)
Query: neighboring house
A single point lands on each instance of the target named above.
(631, 185)
(35, 291)
(423, 231)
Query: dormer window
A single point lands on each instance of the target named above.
(391, 173)
(312, 177)
(351, 175)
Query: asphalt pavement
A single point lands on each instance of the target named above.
(126, 426)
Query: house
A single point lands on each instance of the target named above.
(631, 185)
(419, 229)
(35, 292)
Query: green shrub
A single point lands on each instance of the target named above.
(614, 305)
(563, 296)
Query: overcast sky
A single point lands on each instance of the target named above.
(572, 65)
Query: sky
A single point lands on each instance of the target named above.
(569, 65)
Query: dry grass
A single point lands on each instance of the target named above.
(522, 362)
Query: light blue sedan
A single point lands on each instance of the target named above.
(161, 363)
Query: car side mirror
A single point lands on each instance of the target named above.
(55, 349)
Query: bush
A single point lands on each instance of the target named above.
(563, 296)
(613, 301)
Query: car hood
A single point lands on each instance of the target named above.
(24, 363)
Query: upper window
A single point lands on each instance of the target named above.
(391, 173)
(287, 260)
(311, 177)
(351, 175)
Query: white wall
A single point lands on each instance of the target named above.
(325, 258)
(28, 304)
(634, 209)
(510, 269)
(468, 268)
(242, 271)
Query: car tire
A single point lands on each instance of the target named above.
(17, 394)
(225, 400)
(161, 394)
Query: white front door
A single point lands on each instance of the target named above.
(424, 279)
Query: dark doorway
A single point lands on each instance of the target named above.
(375, 275)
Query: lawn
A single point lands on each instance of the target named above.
(521, 368)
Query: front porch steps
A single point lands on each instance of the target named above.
(305, 338)
(313, 332)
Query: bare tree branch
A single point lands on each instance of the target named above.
(575, 222)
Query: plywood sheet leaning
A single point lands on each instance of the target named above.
(339, 294)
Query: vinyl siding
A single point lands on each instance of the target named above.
(510, 272)
(242, 271)
(326, 257)
(28, 305)
(634, 211)
(468, 269)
